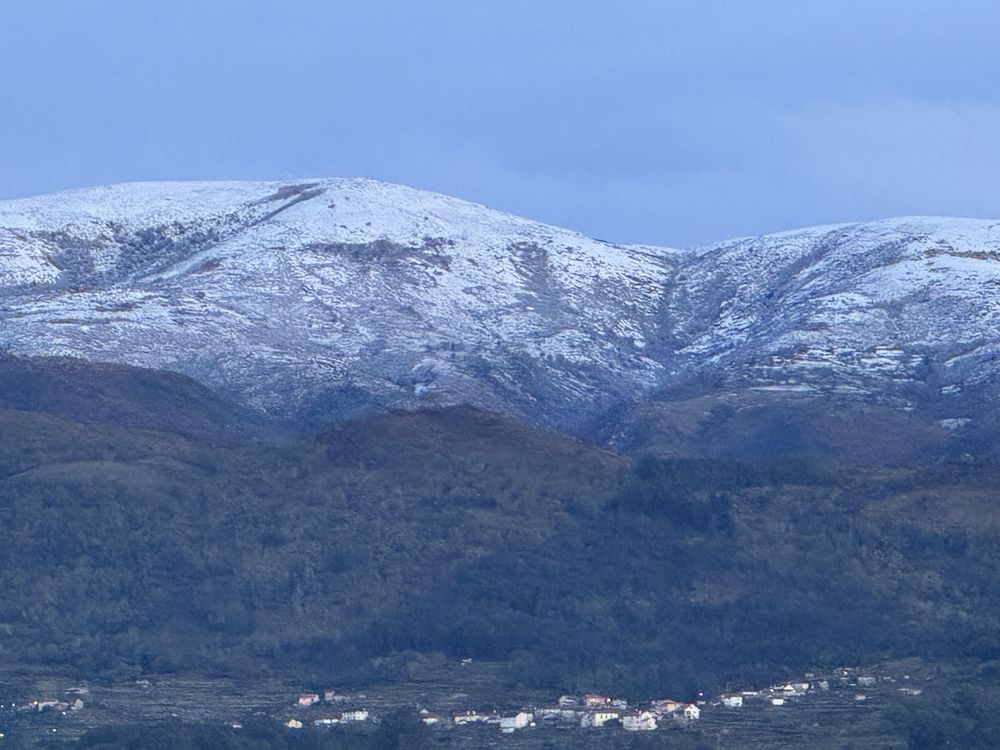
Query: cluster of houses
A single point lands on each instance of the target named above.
(589, 711)
(597, 711)
(73, 702)
(776, 695)
(781, 694)
(329, 719)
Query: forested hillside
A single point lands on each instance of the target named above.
(466, 533)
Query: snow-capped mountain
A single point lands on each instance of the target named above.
(848, 308)
(317, 299)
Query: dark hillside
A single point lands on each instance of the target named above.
(464, 533)
(135, 397)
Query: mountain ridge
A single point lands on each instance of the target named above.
(321, 299)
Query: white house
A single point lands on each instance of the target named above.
(568, 701)
(639, 722)
(356, 715)
(429, 717)
(293, 724)
(777, 701)
(692, 712)
(509, 724)
(733, 700)
(326, 722)
(469, 717)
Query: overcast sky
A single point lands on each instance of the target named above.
(653, 121)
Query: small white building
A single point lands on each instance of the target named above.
(639, 722)
(568, 701)
(520, 720)
(469, 717)
(325, 722)
(732, 700)
(356, 715)
(692, 712)
(293, 724)
(777, 701)
(866, 681)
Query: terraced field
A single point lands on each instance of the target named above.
(818, 718)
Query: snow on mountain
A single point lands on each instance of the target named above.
(850, 308)
(318, 298)
(315, 295)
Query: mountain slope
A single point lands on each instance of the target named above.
(323, 296)
(94, 393)
(329, 298)
(853, 307)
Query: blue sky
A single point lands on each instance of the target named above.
(642, 121)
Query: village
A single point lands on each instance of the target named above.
(596, 711)
(749, 717)
(587, 711)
